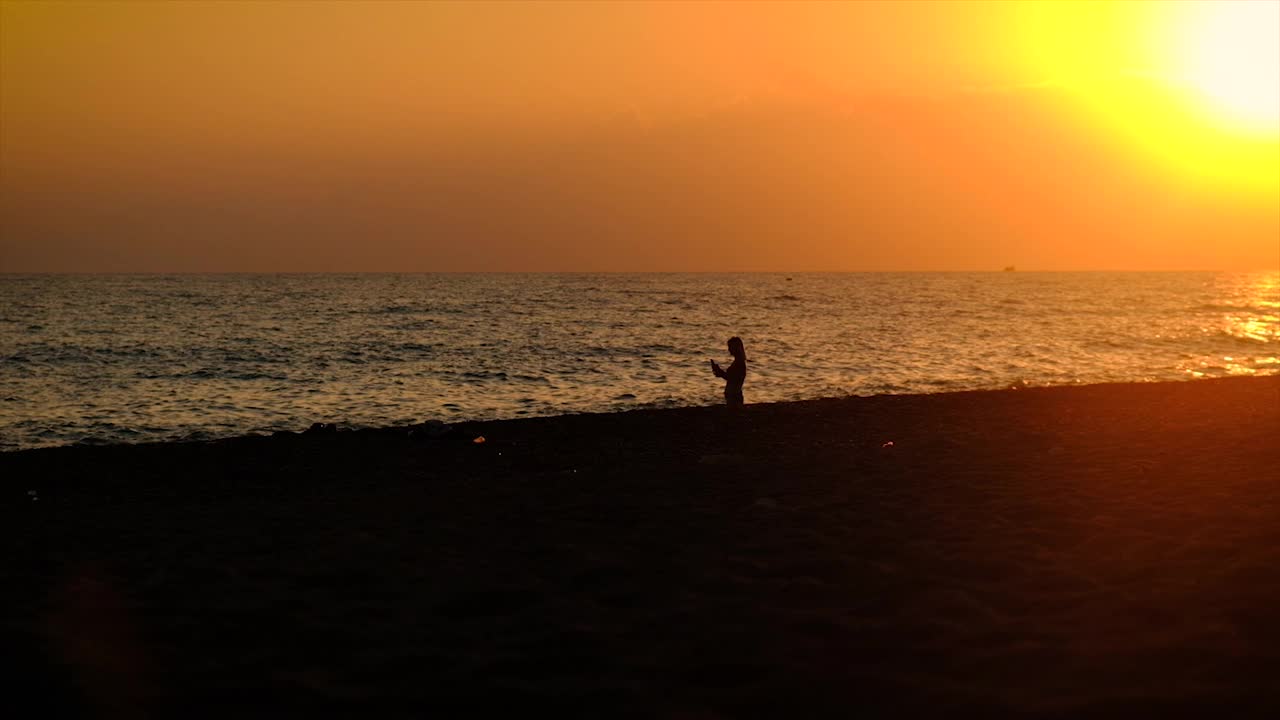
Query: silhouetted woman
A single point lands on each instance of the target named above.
(735, 375)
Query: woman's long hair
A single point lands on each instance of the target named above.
(736, 349)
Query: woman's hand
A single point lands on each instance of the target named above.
(715, 369)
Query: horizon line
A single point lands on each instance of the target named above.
(622, 272)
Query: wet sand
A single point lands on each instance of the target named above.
(1108, 550)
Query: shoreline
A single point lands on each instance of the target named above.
(433, 427)
(1107, 550)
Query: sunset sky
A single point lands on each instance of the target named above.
(361, 136)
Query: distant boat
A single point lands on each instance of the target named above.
(1009, 268)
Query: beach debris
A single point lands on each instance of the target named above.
(886, 445)
(479, 440)
(32, 494)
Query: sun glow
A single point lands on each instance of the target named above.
(1193, 86)
(1228, 52)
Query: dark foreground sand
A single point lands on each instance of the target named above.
(1104, 550)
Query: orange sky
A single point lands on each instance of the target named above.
(275, 136)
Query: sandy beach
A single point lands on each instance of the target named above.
(1105, 550)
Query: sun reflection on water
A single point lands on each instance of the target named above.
(1249, 319)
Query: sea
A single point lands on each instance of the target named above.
(95, 359)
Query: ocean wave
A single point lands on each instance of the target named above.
(393, 310)
(1251, 307)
